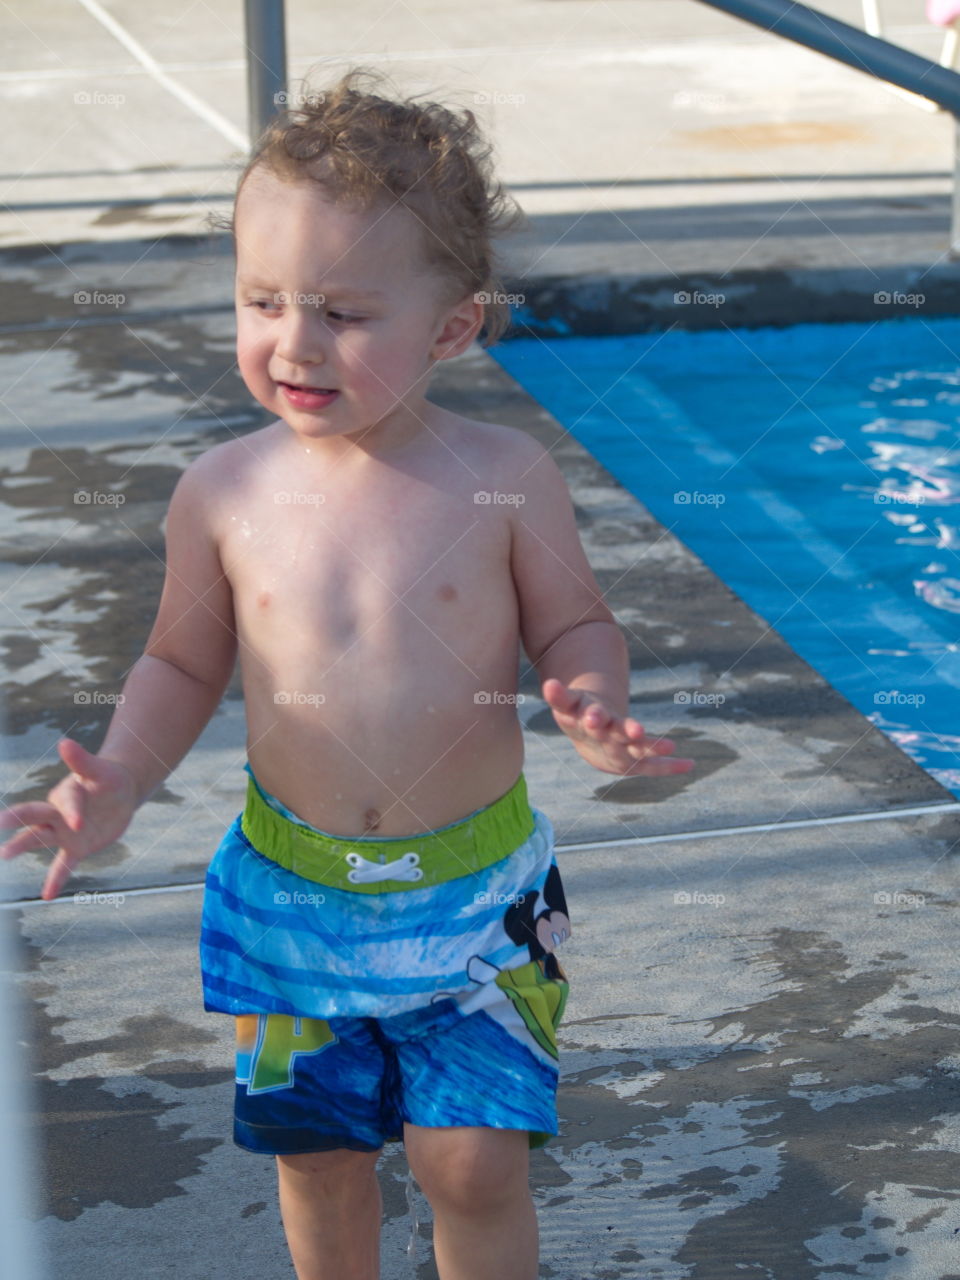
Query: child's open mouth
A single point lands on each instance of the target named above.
(307, 397)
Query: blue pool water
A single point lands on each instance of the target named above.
(816, 470)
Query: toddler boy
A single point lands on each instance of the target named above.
(382, 918)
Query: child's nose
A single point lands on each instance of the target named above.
(303, 335)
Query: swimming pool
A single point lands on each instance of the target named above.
(816, 470)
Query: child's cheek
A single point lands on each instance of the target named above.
(381, 364)
(252, 353)
(364, 364)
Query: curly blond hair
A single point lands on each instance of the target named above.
(367, 151)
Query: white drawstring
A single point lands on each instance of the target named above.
(366, 872)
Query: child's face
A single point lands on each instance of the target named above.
(338, 301)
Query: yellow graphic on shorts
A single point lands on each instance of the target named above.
(268, 1043)
(538, 1000)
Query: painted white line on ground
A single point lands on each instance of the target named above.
(70, 900)
(875, 816)
(710, 832)
(150, 64)
(663, 51)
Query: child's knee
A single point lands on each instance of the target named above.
(470, 1171)
(339, 1172)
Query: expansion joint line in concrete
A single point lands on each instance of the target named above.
(708, 833)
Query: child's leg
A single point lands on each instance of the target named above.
(476, 1181)
(330, 1205)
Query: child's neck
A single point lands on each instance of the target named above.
(383, 441)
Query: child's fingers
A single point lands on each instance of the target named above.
(44, 824)
(601, 725)
(661, 766)
(72, 805)
(654, 746)
(570, 702)
(41, 836)
(558, 696)
(611, 728)
(655, 757)
(59, 873)
(23, 815)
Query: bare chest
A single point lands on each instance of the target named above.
(414, 562)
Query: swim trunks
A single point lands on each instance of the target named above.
(376, 981)
(304, 923)
(307, 1084)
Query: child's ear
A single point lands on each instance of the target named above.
(460, 326)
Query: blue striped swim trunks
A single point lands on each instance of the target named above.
(377, 982)
(298, 922)
(312, 1084)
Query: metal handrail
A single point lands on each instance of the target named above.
(866, 53)
(266, 47)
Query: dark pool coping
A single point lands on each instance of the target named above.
(603, 305)
(576, 304)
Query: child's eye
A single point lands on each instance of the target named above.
(345, 319)
(262, 304)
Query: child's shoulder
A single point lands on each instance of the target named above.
(230, 462)
(495, 443)
(207, 489)
(508, 460)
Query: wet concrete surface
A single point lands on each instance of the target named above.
(759, 1062)
(792, 1116)
(83, 567)
(759, 1065)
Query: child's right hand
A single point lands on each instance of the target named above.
(82, 814)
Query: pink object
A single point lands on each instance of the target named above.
(943, 12)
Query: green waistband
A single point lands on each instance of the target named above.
(419, 861)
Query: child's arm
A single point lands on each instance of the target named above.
(570, 634)
(168, 697)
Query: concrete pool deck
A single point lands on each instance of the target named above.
(765, 1080)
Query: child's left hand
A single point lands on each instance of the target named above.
(610, 742)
